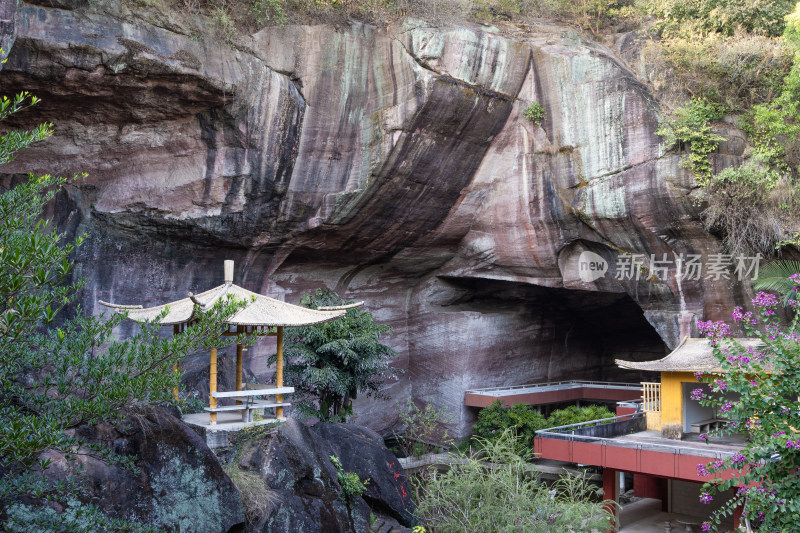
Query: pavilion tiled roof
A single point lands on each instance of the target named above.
(259, 311)
(692, 355)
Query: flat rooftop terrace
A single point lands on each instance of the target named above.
(554, 392)
(689, 444)
(623, 443)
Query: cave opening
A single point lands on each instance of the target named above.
(581, 332)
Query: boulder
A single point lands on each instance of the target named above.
(293, 462)
(361, 450)
(178, 484)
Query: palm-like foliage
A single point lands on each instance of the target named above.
(329, 364)
(774, 277)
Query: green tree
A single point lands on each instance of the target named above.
(60, 369)
(575, 415)
(330, 364)
(720, 16)
(766, 471)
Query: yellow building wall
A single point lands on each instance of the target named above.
(672, 402)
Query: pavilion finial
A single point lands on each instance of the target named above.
(228, 271)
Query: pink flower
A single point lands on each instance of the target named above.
(740, 315)
(796, 278)
(713, 330)
(765, 299)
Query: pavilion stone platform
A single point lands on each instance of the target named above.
(228, 426)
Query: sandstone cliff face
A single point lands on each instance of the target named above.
(391, 164)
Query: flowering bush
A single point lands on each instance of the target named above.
(767, 470)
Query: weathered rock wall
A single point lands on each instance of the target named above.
(391, 164)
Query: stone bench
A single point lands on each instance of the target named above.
(249, 397)
(704, 426)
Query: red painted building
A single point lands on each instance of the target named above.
(663, 468)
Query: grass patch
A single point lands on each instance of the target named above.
(257, 499)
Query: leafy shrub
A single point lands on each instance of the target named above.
(592, 15)
(535, 113)
(223, 23)
(737, 71)
(424, 430)
(522, 419)
(268, 11)
(475, 498)
(689, 128)
(352, 486)
(753, 207)
(764, 17)
(489, 10)
(775, 125)
(792, 31)
(576, 415)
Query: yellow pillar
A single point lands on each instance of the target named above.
(238, 364)
(212, 384)
(279, 372)
(672, 402)
(175, 330)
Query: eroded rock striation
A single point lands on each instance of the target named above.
(391, 164)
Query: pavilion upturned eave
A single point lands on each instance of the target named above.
(259, 310)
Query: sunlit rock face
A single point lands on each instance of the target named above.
(393, 165)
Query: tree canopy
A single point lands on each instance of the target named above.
(330, 364)
(59, 368)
